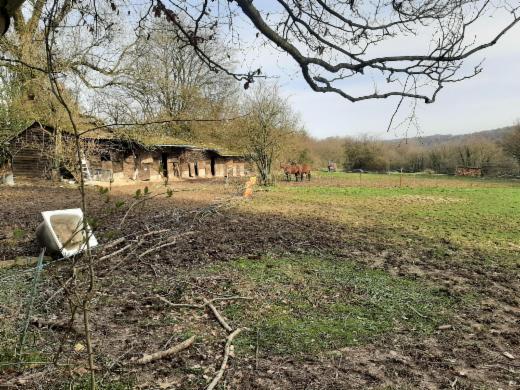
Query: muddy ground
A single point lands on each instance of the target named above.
(478, 349)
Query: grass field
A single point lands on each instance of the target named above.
(355, 281)
(468, 214)
(314, 303)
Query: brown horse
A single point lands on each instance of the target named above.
(297, 170)
(290, 169)
(305, 169)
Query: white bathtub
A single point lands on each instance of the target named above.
(62, 232)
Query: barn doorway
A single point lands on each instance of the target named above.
(164, 164)
(196, 168)
(213, 166)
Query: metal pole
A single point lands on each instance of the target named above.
(32, 296)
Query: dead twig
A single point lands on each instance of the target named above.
(114, 243)
(155, 232)
(64, 285)
(194, 306)
(256, 350)
(55, 324)
(169, 243)
(142, 200)
(416, 311)
(115, 253)
(230, 298)
(139, 201)
(227, 351)
(198, 306)
(168, 352)
(219, 317)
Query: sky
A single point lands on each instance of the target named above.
(488, 101)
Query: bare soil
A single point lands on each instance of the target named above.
(479, 348)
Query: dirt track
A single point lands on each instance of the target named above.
(468, 353)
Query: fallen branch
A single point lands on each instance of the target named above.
(230, 298)
(197, 306)
(220, 319)
(155, 232)
(168, 352)
(144, 199)
(227, 350)
(64, 285)
(156, 248)
(114, 243)
(139, 201)
(116, 252)
(178, 304)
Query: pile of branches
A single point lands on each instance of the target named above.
(70, 286)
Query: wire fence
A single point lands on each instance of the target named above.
(21, 300)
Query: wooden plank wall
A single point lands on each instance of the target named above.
(32, 151)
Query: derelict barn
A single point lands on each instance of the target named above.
(31, 152)
(171, 161)
(105, 157)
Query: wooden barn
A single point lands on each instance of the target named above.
(30, 152)
(41, 152)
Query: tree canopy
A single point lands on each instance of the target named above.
(411, 49)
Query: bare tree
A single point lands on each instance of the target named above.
(165, 80)
(365, 153)
(83, 51)
(511, 143)
(332, 40)
(267, 128)
(167, 77)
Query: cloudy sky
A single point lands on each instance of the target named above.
(488, 101)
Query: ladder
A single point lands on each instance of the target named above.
(84, 168)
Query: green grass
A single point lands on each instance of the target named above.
(317, 303)
(29, 359)
(13, 291)
(464, 214)
(307, 305)
(19, 234)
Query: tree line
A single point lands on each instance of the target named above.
(157, 79)
(497, 156)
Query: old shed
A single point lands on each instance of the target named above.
(42, 152)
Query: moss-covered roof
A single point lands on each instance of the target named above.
(223, 151)
(97, 131)
(165, 141)
(154, 138)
